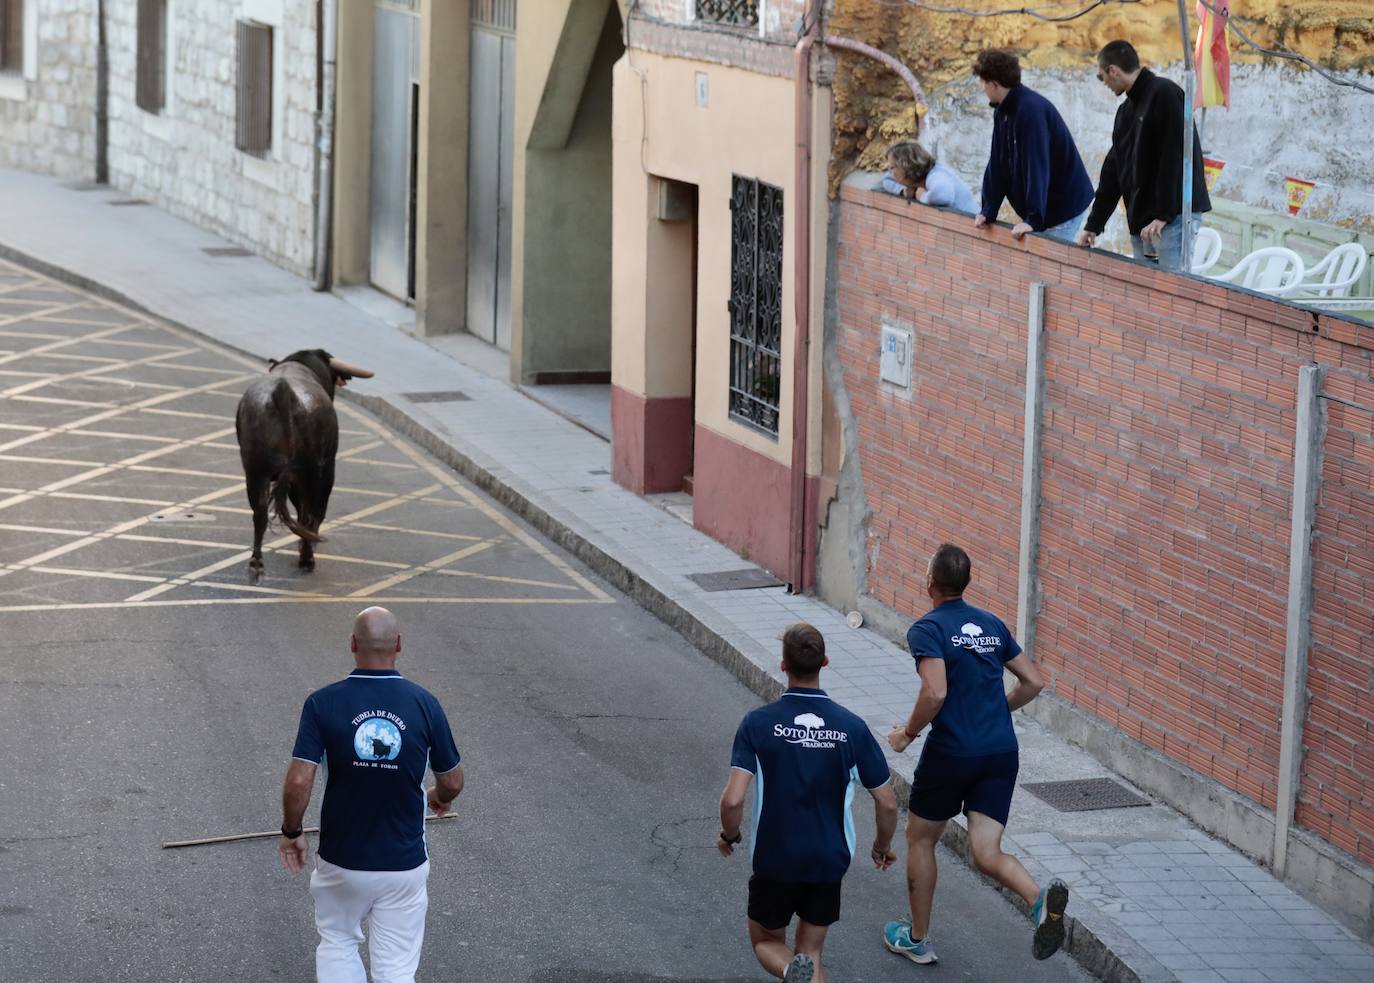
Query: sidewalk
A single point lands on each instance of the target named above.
(1154, 899)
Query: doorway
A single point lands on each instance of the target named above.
(395, 109)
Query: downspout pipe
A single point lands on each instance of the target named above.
(801, 277)
(324, 148)
(906, 75)
(102, 96)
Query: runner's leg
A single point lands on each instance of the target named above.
(921, 837)
(770, 946)
(810, 940)
(396, 927)
(342, 899)
(985, 849)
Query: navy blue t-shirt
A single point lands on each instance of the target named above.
(975, 718)
(805, 752)
(376, 732)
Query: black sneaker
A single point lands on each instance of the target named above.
(1048, 915)
(800, 970)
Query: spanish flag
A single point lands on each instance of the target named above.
(1212, 56)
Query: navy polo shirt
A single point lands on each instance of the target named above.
(375, 732)
(806, 752)
(974, 645)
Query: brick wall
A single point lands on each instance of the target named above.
(1167, 472)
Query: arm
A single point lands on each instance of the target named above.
(1028, 681)
(1104, 202)
(994, 186)
(885, 818)
(1165, 134)
(445, 790)
(894, 187)
(1034, 137)
(295, 796)
(732, 809)
(939, 190)
(934, 686)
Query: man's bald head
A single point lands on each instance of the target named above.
(376, 637)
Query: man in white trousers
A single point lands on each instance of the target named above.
(375, 732)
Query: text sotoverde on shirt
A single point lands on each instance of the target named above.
(975, 718)
(375, 733)
(806, 753)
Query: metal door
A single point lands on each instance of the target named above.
(491, 152)
(395, 74)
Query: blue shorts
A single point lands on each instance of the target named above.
(946, 784)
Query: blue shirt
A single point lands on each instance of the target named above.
(375, 732)
(974, 645)
(943, 187)
(805, 752)
(1034, 163)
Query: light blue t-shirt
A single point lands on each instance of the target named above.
(943, 187)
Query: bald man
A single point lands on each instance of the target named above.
(375, 732)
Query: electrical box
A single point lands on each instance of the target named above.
(703, 90)
(894, 361)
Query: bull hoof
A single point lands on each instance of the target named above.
(254, 571)
(307, 565)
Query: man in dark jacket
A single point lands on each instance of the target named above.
(1034, 163)
(1145, 164)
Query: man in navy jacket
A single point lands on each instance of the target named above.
(1034, 163)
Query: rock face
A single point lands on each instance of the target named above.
(1284, 119)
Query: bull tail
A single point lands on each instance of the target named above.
(281, 488)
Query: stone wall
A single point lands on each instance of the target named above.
(184, 159)
(47, 112)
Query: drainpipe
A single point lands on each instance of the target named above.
(324, 149)
(801, 358)
(102, 97)
(906, 74)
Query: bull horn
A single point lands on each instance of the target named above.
(343, 368)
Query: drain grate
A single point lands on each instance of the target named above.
(734, 579)
(226, 251)
(1086, 795)
(443, 396)
(128, 201)
(604, 471)
(182, 516)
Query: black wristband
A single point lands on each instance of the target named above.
(291, 835)
(727, 840)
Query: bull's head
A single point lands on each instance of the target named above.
(329, 370)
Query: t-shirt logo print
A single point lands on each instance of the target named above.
(809, 731)
(971, 629)
(377, 739)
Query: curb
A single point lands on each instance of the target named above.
(1099, 956)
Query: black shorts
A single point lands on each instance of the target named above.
(945, 785)
(773, 903)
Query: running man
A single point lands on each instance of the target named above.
(807, 752)
(970, 759)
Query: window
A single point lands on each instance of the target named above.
(732, 13)
(150, 87)
(755, 303)
(11, 36)
(253, 114)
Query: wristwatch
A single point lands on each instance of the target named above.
(731, 842)
(291, 834)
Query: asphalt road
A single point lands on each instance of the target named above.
(149, 692)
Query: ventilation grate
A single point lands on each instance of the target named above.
(442, 396)
(221, 251)
(1086, 795)
(734, 579)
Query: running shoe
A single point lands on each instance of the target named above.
(800, 970)
(897, 938)
(1048, 916)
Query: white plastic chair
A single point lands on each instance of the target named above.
(1272, 270)
(1206, 250)
(1338, 271)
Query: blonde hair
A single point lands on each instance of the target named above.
(914, 159)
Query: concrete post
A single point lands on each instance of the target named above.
(1028, 576)
(1306, 475)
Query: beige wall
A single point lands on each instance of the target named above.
(746, 128)
(352, 144)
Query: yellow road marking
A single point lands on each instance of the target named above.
(304, 599)
(422, 569)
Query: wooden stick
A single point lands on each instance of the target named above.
(174, 844)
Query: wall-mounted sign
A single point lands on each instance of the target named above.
(1298, 190)
(1211, 168)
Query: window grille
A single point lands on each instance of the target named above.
(253, 112)
(499, 15)
(732, 13)
(150, 85)
(755, 303)
(11, 36)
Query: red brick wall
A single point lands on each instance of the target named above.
(1167, 474)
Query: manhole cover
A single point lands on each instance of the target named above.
(1085, 795)
(442, 396)
(734, 579)
(128, 201)
(226, 251)
(599, 471)
(183, 516)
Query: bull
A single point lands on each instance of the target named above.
(288, 435)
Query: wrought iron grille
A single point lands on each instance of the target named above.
(733, 13)
(11, 35)
(253, 108)
(755, 302)
(150, 85)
